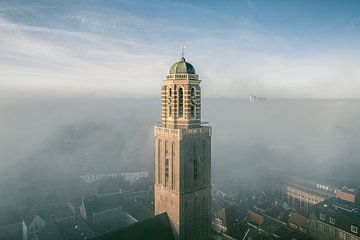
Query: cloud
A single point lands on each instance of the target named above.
(353, 23)
(94, 48)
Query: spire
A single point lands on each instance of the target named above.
(183, 51)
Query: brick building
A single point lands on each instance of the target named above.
(183, 156)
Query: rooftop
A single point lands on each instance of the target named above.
(182, 67)
(103, 203)
(344, 213)
(155, 228)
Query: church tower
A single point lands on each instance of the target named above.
(183, 156)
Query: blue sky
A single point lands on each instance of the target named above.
(280, 49)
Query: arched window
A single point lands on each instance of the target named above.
(172, 165)
(195, 164)
(170, 101)
(181, 102)
(166, 172)
(166, 148)
(159, 161)
(192, 102)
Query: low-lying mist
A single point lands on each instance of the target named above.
(59, 136)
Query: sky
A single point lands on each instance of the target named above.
(273, 49)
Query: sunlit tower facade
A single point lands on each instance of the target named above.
(183, 155)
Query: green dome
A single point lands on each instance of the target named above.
(182, 67)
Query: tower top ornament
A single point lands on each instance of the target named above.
(183, 50)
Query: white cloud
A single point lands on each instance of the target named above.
(115, 51)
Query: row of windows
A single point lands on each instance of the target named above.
(309, 190)
(331, 219)
(306, 196)
(353, 228)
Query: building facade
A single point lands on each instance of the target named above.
(183, 156)
(128, 176)
(335, 219)
(105, 213)
(303, 194)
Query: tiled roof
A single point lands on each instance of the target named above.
(299, 220)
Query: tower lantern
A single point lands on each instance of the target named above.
(181, 97)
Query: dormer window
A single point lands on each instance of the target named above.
(354, 229)
(332, 220)
(322, 216)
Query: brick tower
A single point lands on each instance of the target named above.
(183, 156)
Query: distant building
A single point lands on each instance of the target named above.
(254, 98)
(262, 226)
(227, 222)
(348, 194)
(303, 194)
(128, 176)
(183, 156)
(105, 213)
(335, 219)
(299, 222)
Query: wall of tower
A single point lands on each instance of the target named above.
(167, 196)
(196, 215)
(195, 187)
(187, 198)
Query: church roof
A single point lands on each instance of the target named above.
(155, 228)
(182, 67)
